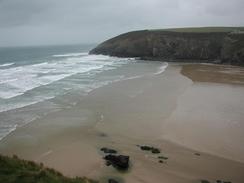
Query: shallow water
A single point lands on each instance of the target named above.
(35, 81)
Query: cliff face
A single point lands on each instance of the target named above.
(232, 51)
(221, 47)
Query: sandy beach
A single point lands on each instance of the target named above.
(194, 113)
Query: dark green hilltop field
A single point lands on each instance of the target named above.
(203, 29)
(223, 45)
(15, 170)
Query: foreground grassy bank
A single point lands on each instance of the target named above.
(15, 170)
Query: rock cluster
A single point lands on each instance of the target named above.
(119, 162)
(149, 148)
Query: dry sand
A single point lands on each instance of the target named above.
(180, 114)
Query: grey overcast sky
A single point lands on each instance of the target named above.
(39, 22)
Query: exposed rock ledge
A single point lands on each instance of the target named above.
(187, 45)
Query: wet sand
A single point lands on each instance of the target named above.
(182, 114)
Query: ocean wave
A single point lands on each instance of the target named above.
(72, 54)
(161, 69)
(5, 130)
(6, 65)
(16, 81)
(20, 104)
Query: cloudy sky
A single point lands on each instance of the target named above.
(40, 22)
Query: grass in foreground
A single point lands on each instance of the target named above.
(15, 170)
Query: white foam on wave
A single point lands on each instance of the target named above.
(17, 80)
(72, 54)
(6, 65)
(161, 68)
(21, 104)
(5, 130)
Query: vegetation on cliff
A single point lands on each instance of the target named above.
(14, 170)
(204, 29)
(206, 44)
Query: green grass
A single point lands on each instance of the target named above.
(15, 170)
(203, 29)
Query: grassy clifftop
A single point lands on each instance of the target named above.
(203, 44)
(14, 170)
(203, 29)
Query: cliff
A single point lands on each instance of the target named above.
(215, 45)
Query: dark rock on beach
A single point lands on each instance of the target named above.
(108, 151)
(155, 151)
(149, 148)
(205, 181)
(112, 181)
(160, 161)
(146, 148)
(108, 163)
(119, 162)
(220, 181)
(102, 135)
(163, 157)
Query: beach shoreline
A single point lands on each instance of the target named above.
(160, 110)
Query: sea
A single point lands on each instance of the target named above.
(38, 80)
